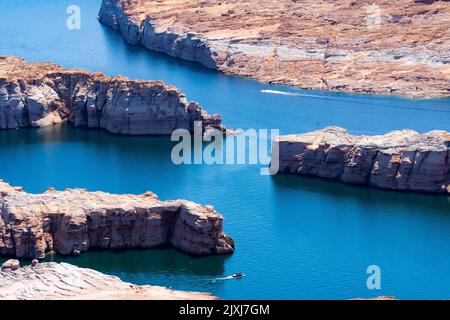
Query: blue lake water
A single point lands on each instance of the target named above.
(296, 237)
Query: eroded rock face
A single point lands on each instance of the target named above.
(62, 281)
(42, 94)
(400, 160)
(74, 221)
(388, 47)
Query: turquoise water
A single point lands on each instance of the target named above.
(296, 237)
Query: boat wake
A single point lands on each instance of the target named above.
(292, 94)
(284, 93)
(223, 279)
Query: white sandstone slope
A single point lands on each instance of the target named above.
(62, 281)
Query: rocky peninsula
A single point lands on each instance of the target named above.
(400, 160)
(62, 281)
(44, 94)
(74, 221)
(385, 47)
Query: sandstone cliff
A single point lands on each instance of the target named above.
(389, 47)
(54, 281)
(42, 94)
(74, 221)
(400, 160)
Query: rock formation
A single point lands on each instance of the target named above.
(62, 281)
(74, 221)
(388, 47)
(42, 94)
(12, 264)
(400, 160)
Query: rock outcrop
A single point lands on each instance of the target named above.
(43, 94)
(62, 281)
(400, 160)
(74, 221)
(12, 264)
(387, 47)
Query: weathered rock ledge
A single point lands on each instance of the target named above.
(74, 221)
(400, 160)
(62, 281)
(43, 94)
(386, 47)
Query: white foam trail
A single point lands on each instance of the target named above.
(292, 94)
(284, 93)
(221, 279)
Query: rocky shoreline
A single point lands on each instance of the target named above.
(63, 281)
(400, 160)
(309, 44)
(44, 94)
(74, 221)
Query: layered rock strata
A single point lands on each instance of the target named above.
(400, 160)
(43, 94)
(387, 47)
(74, 221)
(62, 281)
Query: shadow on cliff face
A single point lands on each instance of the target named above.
(426, 203)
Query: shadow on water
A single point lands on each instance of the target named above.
(165, 267)
(66, 133)
(426, 203)
(152, 261)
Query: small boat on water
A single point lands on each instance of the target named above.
(239, 275)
